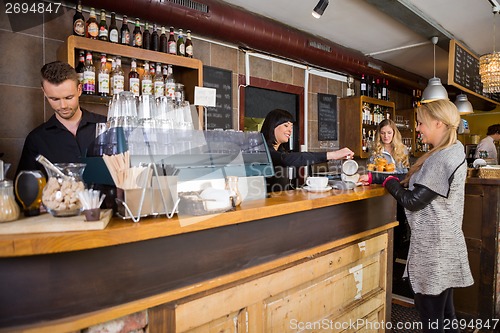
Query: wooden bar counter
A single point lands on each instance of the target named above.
(272, 265)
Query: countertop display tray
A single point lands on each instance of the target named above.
(48, 223)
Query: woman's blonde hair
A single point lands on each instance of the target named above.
(399, 153)
(441, 110)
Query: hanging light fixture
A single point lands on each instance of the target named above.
(320, 8)
(463, 104)
(434, 89)
(489, 65)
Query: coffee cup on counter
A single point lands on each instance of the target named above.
(317, 182)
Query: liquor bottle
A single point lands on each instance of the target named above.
(369, 86)
(103, 27)
(118, 78)
(172, 44)
(81, 66)
(103, 77)
(159, 84)
(125, 32)
(92, 26)
(152, 70)
(147, 83)
(364, 145)
(163, 41)
(146, 37)
(137, 34)
(189, 45)
(363, 87)
(379, 90)
(89, 75)
(374, 92)
(111, 76)
(170, 83)
(155, 39)
(134, 82)
(113, 29)
(165, 72)
(181, 45)
(79, 21)
(385, 90)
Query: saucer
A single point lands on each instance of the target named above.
(317, 189)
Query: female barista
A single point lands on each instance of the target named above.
(277, 129)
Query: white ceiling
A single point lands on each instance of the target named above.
(363, 25)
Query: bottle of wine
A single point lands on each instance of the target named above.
(137, 40)
(92, 26)
(89, 75)
(155, 39)
(379, 89)
(181, 45)
(189, 45)
(172, 44)
(163, 41)
(113, 29)
(146, 37)
(363, 87)
(81, 66)
(125, 32)
(103, 77)
(103, 27)
(79, 21)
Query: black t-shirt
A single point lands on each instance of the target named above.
(57, 144)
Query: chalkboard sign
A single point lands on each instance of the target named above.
(220, 116)
(327, 117)
(464, 71)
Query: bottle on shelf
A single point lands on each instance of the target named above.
(189, 45)
(181, 45)
(159, 83)
(379, 89)
(172, 44)
(364, 143)
(92, 26)
(113, 29)
(137, 34)
(170, 83)
(133, 79)
(79, 21)
(89, 75)
(80, 68)
(103, 77)
(125, 32)
(155, 38)
(152, 70)
(374, 92)
(146, 82)
(165, 72)
(146, 37)
(363, 87)
(369, 86)
(163, 41)
(111, 76)
(118, 77)
(387, 93)
(103, 27)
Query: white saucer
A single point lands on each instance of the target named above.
(317, 189)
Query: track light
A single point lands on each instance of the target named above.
(320, 8)
(434, 89)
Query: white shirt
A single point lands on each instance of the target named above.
(487, 144)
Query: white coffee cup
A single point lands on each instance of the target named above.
(317, 182)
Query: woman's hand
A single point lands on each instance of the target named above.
(365, 179)
(340, 154)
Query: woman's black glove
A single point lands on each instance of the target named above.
(411, 200)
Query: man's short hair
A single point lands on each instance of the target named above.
(493, 129)
(57, 72)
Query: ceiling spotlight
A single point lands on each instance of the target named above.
(320, 8)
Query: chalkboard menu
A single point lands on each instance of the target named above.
(327, 117)
(220, 116)
(464, 71)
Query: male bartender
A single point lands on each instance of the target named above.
(64, 138)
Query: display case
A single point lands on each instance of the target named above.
(358, 117)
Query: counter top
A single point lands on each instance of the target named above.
(125, 231)
(483, 181)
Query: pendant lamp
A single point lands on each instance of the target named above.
(320, 8)
(434, 89)
(489, 66)
(463, 104)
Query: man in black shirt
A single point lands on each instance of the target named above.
(65, 137)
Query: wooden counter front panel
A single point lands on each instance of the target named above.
(53, 286)
(327, 291)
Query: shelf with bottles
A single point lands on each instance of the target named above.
(188, 71)
(360, 114)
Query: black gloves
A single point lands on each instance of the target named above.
(411, 200)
